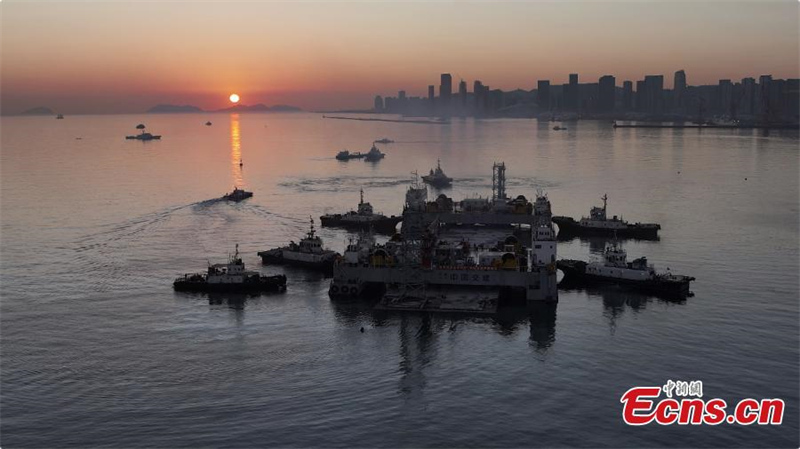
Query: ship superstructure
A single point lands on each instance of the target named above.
(310, 252)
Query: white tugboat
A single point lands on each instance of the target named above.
(374, 154)
(437, 178)
(308, 253)
(231, 277)
(616, 269)
(364, 218)
(598, 223)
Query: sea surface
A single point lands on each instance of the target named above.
(97, 349)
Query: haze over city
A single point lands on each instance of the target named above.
(126, 57)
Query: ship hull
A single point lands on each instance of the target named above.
(437, 182)
(265, 284)
(316, 262)
(568, 227)
(575, 275)
(386, 225)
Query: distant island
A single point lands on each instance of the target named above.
(41, 110)
(260, 107)
(171, 108)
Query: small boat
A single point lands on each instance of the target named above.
(208, 123)
(559, 128)
(230, 277)
(237, 195)
(143, 135)
(365, 219)
(345, 155)
(598, 223)
(240, 163)
(59, 116)
(308, 253)
(374, 154)
(437, 178)
(384, 140)
(615, 269)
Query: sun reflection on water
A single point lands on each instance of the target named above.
(236, 152)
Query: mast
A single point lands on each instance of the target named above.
(605, 200)
(362, 197)
(311, 231)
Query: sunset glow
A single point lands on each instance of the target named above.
(368, 49)
(234, 98)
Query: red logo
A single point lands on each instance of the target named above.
(641, 406)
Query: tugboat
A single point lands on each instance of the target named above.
(237, 195)
(345, 155)
(363, 219)
(617, 270)
(437, 178)
(599, 224)
(384, 140)
(143, 135)
(230, 278)
(208, 123)
(309, 253)
(374, 154)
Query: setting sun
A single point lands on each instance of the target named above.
(234, 98)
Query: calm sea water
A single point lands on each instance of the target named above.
(97, 350)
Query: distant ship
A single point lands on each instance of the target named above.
(59, 116)
(384, 140)
(364, 219)
(308, 253)
(437, 178)
(237, 195)
(374, 154)
(616, 269)
(345, 155)
(230, 277)
(208, 123)
(597, 223)
(143, 135)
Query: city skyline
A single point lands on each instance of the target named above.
(268, 53)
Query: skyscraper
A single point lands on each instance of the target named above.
(627, 95)
(572, 96)
(606, 91)
(764, 108)
(478, 94)
(462, 92)
(543, 89)
(654, 93)
(725, 97)
(746, 104)
(378, 103)
(431, 93)
(679, 90)
(445, 90)
(641, 98)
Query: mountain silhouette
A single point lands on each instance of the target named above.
(172, 108)
(41, 110)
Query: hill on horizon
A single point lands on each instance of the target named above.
(171, 108)
(39, 110)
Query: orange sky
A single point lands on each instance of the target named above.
(126, 57)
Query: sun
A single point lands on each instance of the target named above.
(234, 98)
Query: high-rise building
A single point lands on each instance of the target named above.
(572, 95)
(431, 93)
(746, 105)
(378, 103)
(606, 90)
(679, 90)
(641, 97)
(445, 90)
(462, 92)
(627, 95)
(764, 108)
(725, 97)
(543, 92)
(478, 95)
(654, 93)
